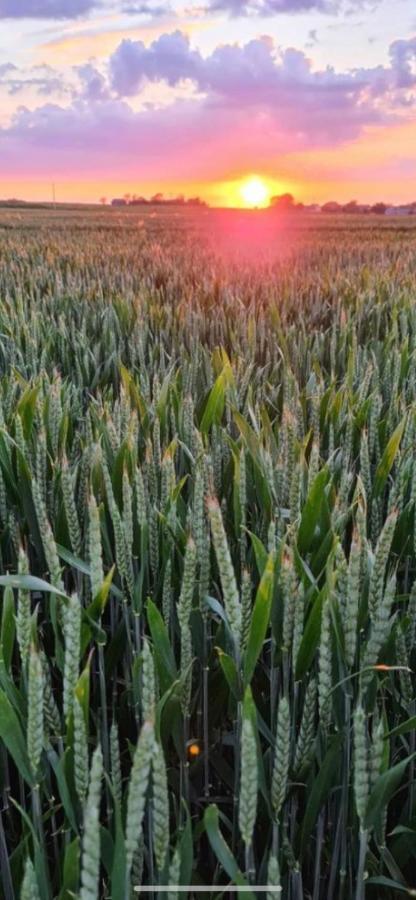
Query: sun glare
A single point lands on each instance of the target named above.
(254, 192)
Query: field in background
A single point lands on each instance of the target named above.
(208, 553)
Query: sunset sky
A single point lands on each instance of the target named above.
(316, 97)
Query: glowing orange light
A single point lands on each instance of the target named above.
(194, 750)
(254, 192)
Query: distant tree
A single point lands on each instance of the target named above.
(158, 198)
(195, 201)
(350, 207)
(283, 202)
(103, 201)
(379, 209)
(331, 207)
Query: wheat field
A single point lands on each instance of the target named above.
(208, 555)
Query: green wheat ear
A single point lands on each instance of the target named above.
(116, 775)
(90, 868)
(281, 758)
(72, 636)
(160, 806)
(137, 789)
(361, 764)
(226, 570)
(29, 889)
(81, 762)
(35, 722)
(23, 623)
(247, 806)
(95, 548)
(273, 878)
(325, 666)
(148, 683)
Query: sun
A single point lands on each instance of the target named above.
(254, 192)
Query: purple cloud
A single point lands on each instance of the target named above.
(253, 105)
(101, 139)
(256, 75)
(148, 9)
(43, 79)
(403, 59)
(45, 9)
(93, 84)
(169, 58)
(6, 68)
(271, 7)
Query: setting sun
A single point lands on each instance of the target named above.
(254, 192)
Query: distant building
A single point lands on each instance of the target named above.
(312, 208)
(400, 210)
(119, 201)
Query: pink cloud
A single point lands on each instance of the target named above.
(254, 105)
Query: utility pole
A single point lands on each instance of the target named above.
(53, 195)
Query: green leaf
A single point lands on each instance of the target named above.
(118, 871)
(221, 848)
(321, 786)
(6, 464)
(260, 552)
(82, 689)
(12, 735)
(58, 765)
(133, 392)
(30, 583)
(76, 563)
(404, 728)
(26, 408)
(214, 406)
(8, 627)
(228, 667)
(313, 511)
(311, 636)
(70, 881)
(259, 619)
(383, 790)
(97, 607)
(163, 654)
(390, 884)
(248, 434)
(387, 460)
(186, 850)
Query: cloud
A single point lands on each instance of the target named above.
(43, 79)
(271, 7)
(45, 9)
(403, 59)
(261, 75)
(251, 104)
(148, 9)
(93, 84)
(169, 58)
(6, 68)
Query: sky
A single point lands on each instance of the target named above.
(106, 97)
